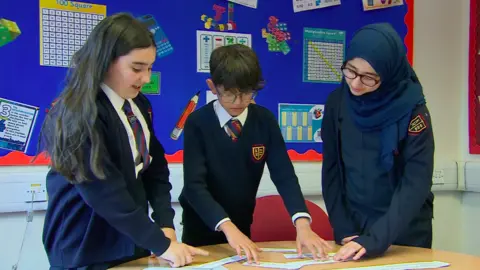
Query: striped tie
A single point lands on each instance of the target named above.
(234, 128)
(138, 134)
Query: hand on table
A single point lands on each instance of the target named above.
(179, 254)
(170, 233)
(240, 241)
(350, 248)
(309, 239)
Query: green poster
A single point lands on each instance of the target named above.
(153, 87)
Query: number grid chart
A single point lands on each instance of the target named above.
(64, 28)
(207, 41)
(323, 55)
(304, 5)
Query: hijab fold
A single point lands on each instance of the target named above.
(389, 108)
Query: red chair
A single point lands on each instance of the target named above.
(271, 221)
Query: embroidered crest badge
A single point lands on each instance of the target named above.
(417, 125)
(258, 152)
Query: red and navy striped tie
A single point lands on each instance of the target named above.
(138, 133)
(234, 128)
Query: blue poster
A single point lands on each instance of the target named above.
(300, 123)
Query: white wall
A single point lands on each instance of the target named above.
(441, 45)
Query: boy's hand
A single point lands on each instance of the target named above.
(309, 239)
(179, 254)
(349, 250)
(348, 239)
(240, 241)
(170, 233)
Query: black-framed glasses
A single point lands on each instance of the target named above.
(230, 97)
(367, 80)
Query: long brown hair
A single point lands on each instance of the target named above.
(68, 134)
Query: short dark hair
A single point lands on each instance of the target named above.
(236, 67)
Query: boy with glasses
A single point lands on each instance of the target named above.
(226, 145)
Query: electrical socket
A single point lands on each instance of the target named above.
(40, 192)
(438, 177)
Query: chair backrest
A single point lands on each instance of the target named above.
(272, 222)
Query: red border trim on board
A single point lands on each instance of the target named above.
(20, 159)
(472, 83)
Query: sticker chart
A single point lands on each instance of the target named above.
(304, 5)
(323, 55)
(377, 4)
(64, 28)
(16, 123)
(207, 41)
(300, 123)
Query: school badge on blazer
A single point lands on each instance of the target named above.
(258, 152)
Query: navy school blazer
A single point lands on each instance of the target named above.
(105, 220)
(412, 200)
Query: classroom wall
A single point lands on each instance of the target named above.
(441, 45)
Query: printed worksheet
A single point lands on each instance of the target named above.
(304, 5)
(247, 3)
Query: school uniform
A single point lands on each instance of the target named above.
(382, 206)
(101, 223)
(224, 159)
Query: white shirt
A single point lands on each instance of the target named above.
(117, 103)
(223, 118)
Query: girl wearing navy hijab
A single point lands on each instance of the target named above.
(378, 150)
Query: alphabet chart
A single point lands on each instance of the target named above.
(64, 28)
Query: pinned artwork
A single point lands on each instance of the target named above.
(277, 36)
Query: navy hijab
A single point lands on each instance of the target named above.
(389, 108)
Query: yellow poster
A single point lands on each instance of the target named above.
(64, 28)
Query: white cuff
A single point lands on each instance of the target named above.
(220, 223)
(301, 215)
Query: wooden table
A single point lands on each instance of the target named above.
(395, 255)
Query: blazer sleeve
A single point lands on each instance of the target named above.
(332, 188)
(110, 199)
(157, 182)
(282, 171)
(413, 188)
(195, 189)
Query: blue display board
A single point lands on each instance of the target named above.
(40, 37)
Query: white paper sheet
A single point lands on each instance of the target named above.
(211, 265)
(304, 5)
(247, 3)
(210, 97)
(289, 265)
(404, 266)
(305, 255)
(279, 250)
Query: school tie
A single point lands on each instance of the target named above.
(234, 128)
(138, 134)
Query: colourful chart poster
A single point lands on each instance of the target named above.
(153, 87)
(377, 4)
(207, 41)
(64, 28)
(300, 123)
(304, 5)
(323, 55)
(16, 124)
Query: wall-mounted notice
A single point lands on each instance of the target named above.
(377, 4)
(300, 123)
(16, 124)
(304, 5)
(207, 41)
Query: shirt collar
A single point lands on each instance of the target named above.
(224, 116)
(116, 100)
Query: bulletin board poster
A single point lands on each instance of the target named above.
(474, 78)
(300, 45)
